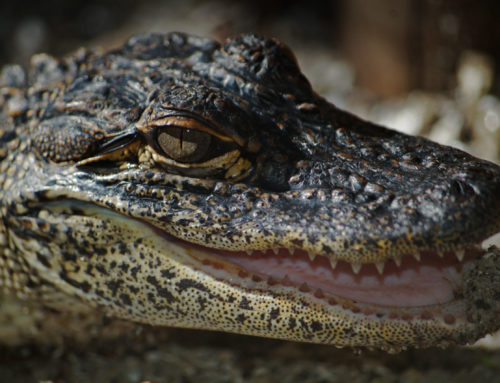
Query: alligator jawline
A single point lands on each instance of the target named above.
(234, 268)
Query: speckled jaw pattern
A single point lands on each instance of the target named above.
(176, 181)
(154, 278)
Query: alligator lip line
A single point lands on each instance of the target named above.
(423, 284)
(419, 281)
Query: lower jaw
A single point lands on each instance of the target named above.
(470, 314)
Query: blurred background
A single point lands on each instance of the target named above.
(424, 67)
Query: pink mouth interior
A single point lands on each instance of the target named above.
(432, 280)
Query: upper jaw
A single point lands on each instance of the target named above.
(323, 219)
(318, 220)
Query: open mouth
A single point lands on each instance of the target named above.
(416, 284)
(431, 278)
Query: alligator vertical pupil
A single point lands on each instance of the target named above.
(184, 145)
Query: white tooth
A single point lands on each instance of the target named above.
(291, 250)
(276, 251)
(333, 263)
(312, 256)
(397, 261)
(416, 255)
(249, 252)
(380, 267)
(356, 267)
(460, 255)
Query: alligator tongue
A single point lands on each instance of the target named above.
(432, 280)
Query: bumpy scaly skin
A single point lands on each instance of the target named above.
(88, 202)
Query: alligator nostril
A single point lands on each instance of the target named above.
(461, 188)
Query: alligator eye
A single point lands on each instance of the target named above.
(184, 145)
(192, 147)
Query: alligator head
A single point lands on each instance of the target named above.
(176, 181)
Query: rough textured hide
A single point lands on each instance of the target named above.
(134, 182)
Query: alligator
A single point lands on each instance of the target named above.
(177, 181)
